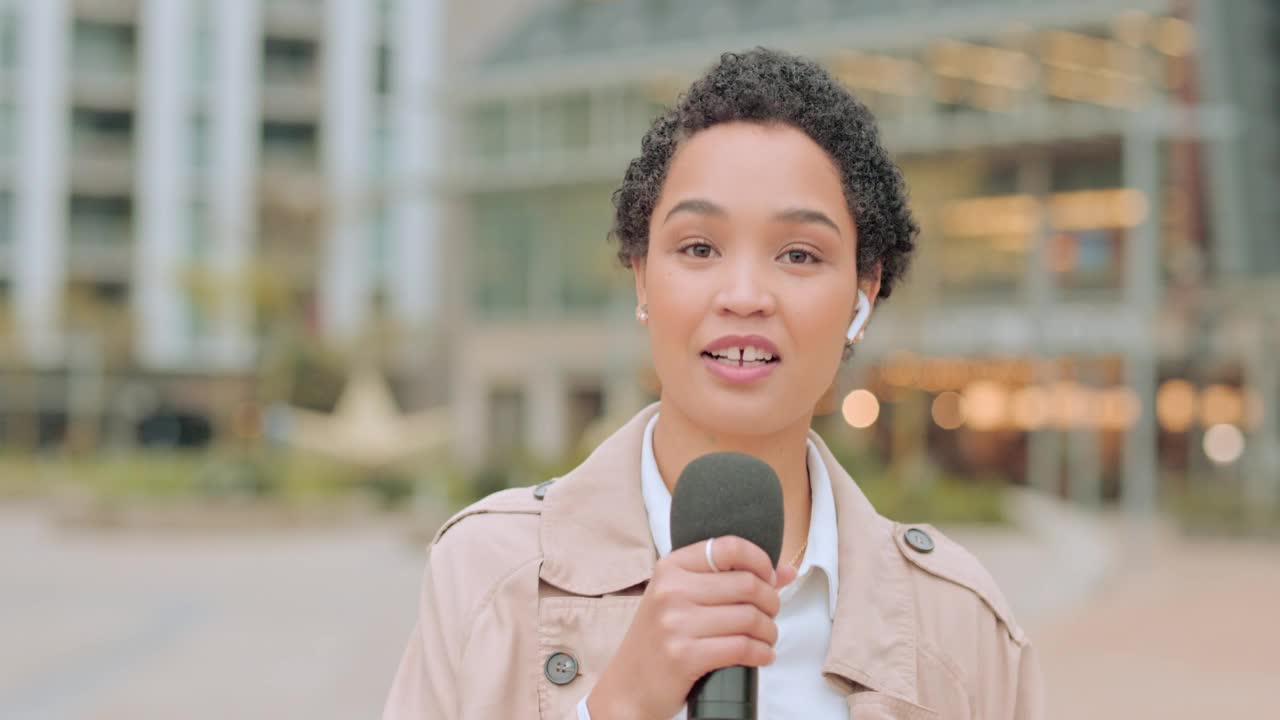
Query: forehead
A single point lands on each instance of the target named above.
(755, 171)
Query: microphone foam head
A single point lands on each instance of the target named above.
(728, 493)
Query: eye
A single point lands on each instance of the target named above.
(798, 256)
(698, 249)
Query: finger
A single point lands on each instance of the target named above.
(730, 620)
(728, 552)
(733, 588)
(709, 654)
(786, 575)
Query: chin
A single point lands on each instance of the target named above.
(743, 412)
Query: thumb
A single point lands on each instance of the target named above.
(786, 574)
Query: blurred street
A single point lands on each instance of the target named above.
(1190, 635)
(134, 625)
(115, 625)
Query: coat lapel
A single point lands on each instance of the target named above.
(873, 636)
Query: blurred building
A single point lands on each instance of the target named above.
(1096, 181)
(180, 178)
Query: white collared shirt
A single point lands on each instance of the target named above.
(793, 686)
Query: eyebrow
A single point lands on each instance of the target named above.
(699, 206)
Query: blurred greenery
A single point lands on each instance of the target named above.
(269, 476)
(919, 492)
(939, 498)
(1218, 507)
(289, 478)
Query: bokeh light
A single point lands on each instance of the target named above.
(1221, 405)
(1223, 444)
(1176, 405)
(1118, 408)
(985, 405)
(1030, 408)
(860, 409)
(948, 412)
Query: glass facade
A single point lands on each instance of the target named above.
(546, 251)
(101, 221)
(103, 48)
(501, 254)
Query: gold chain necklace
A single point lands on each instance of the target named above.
(796, 560)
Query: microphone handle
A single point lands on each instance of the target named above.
(725, 694)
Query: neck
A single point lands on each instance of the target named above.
(678, 440)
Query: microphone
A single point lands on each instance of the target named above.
(727, 493)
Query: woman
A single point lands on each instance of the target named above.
(762, 221)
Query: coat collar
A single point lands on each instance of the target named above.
(596, 541)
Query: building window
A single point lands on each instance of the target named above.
(288, 60)
(101, 130)
(103, 48)
(384, 70)
(586, 405)
(488, 130)
(502, 254)
(578, 224)
(6, 218)
(506, 420)
(1090, 214)
(101, 220)
(289, 143)
(202, 44)
(8, 38)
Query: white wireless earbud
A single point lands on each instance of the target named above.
(859, 320)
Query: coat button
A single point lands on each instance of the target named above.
(919, 540)
(540, 491)
(561, 668)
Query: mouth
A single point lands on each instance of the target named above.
(742, 352)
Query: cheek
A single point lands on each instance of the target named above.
(676, 302)
(819, 322)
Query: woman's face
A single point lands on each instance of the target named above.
(751, 277)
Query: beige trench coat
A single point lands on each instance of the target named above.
(528, 573)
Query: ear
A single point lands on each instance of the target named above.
(868, 290)
(637, 270)
(870, 284)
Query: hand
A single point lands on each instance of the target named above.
(691, 621)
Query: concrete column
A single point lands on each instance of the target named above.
(1262, 478)
(234, 129)
(348, 108)
(548, 410)
(40, 199)
(1223, 171)
(162, 197)
(1044, 451)
(1083, 462)
(417, 55)
(1139, 486)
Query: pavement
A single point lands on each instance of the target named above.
(118, 624)
(124, 625)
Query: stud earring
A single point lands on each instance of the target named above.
(642, 313)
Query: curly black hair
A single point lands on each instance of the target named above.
(771, 87)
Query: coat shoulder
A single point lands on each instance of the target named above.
(950, 579)
(494, 509)
(482, 548)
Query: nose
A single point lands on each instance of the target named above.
(745, 290)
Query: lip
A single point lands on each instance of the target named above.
(740, 375)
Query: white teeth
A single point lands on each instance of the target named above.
(748, 354)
